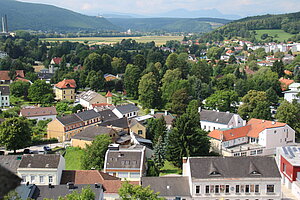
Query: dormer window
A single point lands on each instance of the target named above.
(255, 173)
(215, 173)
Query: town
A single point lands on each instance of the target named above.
(213, 115)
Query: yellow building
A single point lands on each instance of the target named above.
(65, 90)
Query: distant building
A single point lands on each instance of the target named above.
(4, 96)
(3, 54)
(127, 110)
(39, 113)
(89, 98)
(65, 90)
(292, 93)
(5, 76)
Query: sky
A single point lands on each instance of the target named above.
(151, 7)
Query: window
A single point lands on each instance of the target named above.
(247, 188)
(41, 179)
(123, 174)
(270, 188)
(259, 151)
(284, 167)
(227, 189)
(207, 189)
(134, 175)
(32, 179)
(252, 153)
(197, 189)
(236, 154)
(244, 154)
(217, 189)
(64, 92)
(24, 179)
(140, 132)
(64, 97)
(256, 188)
(237, 189)
(50, 179)
(204, 127)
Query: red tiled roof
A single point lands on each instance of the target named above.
(67, 83)
(252, 129)
(101, 104)
(285, 83)
(57, 60)
(287, 72)
(22, 79)
(110, 183)
(109, 94)
(40, 111)
(4, 75)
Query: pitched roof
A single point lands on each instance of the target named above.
(130, 159)
(40, 161)
(258, 125)
(91, 132)
(119, 123)
(23, 79)
(66, 83)
(168, 118)
(69, 119)
(57, 60)
(89, 95)
(227, 168)
(285, 83)
(40, 111)
(10, 162)
(215, 116)
(4, 74)
(4, 90)
(230, 134)
(128, 108)
(168, 186)
(107, 115)
(87, 115)
(110, 183)
(109, 94)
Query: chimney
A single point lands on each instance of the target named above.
(184, 159)
(166, 112)
(152, 112)
(199, 109)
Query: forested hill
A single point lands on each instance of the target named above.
(188, 25)
(31, 16)
(245, 27)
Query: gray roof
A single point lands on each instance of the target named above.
(168, 186)
(123, 159)
(87, 115)
(107, 115)
(128, 108)
(215, 116)
(40, 161)
(227, 167)
(91, 132)
(4, 90)
(10, 162)
(69, 119)
(119, 123)
(43, 191)
(89, 95)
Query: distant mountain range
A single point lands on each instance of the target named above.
(31, 16)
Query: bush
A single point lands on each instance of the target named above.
(36, 141)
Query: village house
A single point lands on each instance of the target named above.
(65, 90)
(168, 117)
(4, 96)
(211, 120)
(292, 93)
(285, 83)
(288, 161)
(89, 98)
(63, 128)
(220, 178)
(137, 125)
(41, 169)
(125, 163)
(127, 110)
(3, 54)
(5, 77)
(258, 137)
(109, 77)
(39, 113)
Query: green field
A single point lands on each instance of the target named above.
(159, 40)
(169, 168)
(278, 34)
(73, 158)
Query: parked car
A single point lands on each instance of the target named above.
(27, 151)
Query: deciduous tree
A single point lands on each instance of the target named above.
(41, 92)
(148, 91)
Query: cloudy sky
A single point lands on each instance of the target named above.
(149, 7)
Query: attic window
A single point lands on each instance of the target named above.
(255, 173)
(215, 173)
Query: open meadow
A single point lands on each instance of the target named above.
(277, 34)
(159, 40)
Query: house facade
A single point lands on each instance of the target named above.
(291, 94)
(258, 137)
(211, 120)
(5, 77)
(125, 163)
(88, 98)
(127, 110)
(39, 113)
(42, 169)
(4, 96)
(65, 90)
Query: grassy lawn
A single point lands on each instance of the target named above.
(159, 40)
(73, 158)
(169, 168)
(280, 33)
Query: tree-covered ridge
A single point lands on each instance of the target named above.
(31, 16)
(246, 27)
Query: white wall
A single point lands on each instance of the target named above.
(289, 96)
(210, 126)
(28, 172)
(4, 100)
(277, 137)
(235, 142)
(38, 118)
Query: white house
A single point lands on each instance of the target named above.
(127, 110)
(3, 54)
(211, 120)
(291, 94)
(41, 169)
(89, 98)
(207, 178)
(258, 137)
(4, 96)
(39, 113)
